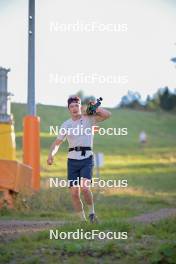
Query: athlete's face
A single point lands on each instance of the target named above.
(75, 109)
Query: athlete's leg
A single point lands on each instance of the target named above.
(88, 196)
(77, 203)
(73, 177)
(86, 177)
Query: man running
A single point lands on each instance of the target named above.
(80, 156)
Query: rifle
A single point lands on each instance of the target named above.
(91, 107)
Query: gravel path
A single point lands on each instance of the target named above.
(155, 216)
(11, 229)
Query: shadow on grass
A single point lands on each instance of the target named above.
(55, 204)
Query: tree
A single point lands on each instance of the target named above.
(166, 99)
(85, 99)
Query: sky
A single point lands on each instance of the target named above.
(137, 55)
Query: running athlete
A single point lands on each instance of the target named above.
(80, 155)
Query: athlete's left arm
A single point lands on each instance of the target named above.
(102, 114)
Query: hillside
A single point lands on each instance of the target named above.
(159, 126)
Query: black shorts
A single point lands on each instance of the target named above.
(77, 169)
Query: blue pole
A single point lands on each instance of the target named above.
(31, 107)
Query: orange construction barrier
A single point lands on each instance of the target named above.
(31, 147)
(14, 177)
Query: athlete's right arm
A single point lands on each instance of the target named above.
(53, 150)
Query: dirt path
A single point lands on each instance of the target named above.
(11, 229)
(161, 214)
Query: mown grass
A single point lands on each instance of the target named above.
(150, 172)
(153, 243)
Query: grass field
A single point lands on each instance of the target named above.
(151, 175)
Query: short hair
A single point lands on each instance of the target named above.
(74, 99)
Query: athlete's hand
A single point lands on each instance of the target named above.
(92, 102)
(50, 160)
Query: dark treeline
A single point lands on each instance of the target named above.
(162, 99)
